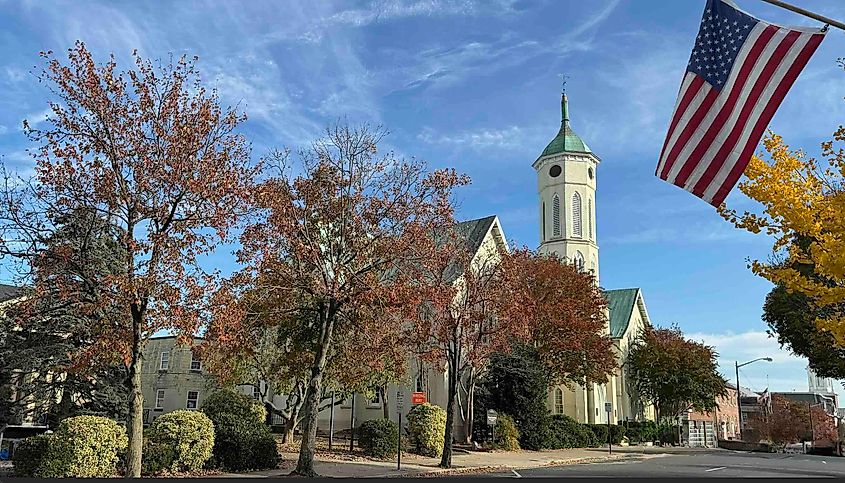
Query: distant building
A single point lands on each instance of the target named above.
(821, 385)
(704, 429)
(172, 378)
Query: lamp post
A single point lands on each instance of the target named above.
(739, 391)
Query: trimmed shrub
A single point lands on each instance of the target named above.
(156, 457)
(242, 443)
(565, 432)
(600, 430)
(507, 436)
(84, 447)
(379, 438)
(231, 402)
(641, 431)
(29, 454)
(189, 434)
(426, 429)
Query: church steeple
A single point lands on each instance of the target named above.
(566, 139)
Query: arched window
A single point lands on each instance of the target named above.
(590, 217)
(558, 401)
(576, 215)
(556, 216)
(578, 260)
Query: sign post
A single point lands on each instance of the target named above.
(492, 417)
(400, 407)
(608, 408)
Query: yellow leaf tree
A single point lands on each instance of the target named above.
(803, 208)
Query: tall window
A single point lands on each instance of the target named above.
(576, 216)
(558, 401)
(193, 398)
(590, 217)
(256, 391)
(164, 362)
(578, 260)
(375, 401)
(543, 220)
(556, 216)
(160, 399)
(196, 364)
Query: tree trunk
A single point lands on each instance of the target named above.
(469, 411)
(385, 409)
(446, 458)
(287, 435)
(135, 419)
(305, 464)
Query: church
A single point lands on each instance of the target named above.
(566, 185)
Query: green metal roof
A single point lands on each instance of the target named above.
(566, 139)
(621, 304)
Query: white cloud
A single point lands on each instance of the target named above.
(485, 138)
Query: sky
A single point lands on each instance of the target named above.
(475, 85)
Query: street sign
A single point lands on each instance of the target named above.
(492, 416)
(400, 401)
(608, 407)
(418, 398)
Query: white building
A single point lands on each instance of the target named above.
(566, 184)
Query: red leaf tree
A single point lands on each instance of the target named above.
(332, 243)
(566, 313)
(152, 152)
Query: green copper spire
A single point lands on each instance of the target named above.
(566, 139)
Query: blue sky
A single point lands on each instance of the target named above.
(474, 84)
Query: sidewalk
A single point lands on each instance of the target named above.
(475, 462)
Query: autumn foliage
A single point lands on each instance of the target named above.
(151, 151)
(788, 422)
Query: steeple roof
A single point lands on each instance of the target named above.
(566, 139)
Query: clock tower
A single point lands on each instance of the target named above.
(566, 182)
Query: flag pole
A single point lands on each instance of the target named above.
(807, 13)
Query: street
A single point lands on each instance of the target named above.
(722, 464)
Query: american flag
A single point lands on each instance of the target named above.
(739, 72)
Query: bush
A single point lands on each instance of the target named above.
(84, 447)
(242, 443)
(640, 431)
(507, 436)
(226, 401)
(379, 438)
(565, 432)
(156, 457)
(426, 429)
(190, 436)
(29, 454)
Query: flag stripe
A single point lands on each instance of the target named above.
(767, 78)
(765, 118)
(689, 88)
(757, 101)
(715, 120)
(751, 49)
(699, 100)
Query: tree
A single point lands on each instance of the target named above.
(674, 373)
(517, 384)
(457, 326)
(42, 337)
(331, 240)
(802, 198)
(151, 151)
(791, 318)
(567, 312)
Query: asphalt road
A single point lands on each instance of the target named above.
(722, 464)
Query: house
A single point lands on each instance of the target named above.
(704, 429)
(172, 377)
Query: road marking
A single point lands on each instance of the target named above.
(715, 469)
(517, 474)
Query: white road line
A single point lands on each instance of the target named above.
(715, 469)
(517, 474)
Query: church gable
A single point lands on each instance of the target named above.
(621, 303)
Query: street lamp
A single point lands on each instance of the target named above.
(739, 391)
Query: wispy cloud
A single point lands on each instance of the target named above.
(682, 233)
(505, 138)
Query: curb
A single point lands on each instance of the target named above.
(492, 469)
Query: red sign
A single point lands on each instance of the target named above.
(418, 398)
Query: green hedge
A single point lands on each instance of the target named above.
(426, 429)
(81, 447)
(640, 431)
(190, 436)
(241, 439)
(156, 457)
(600, 431)
(29, 455)
(565, 432)
(379, 438)
(507, 436)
